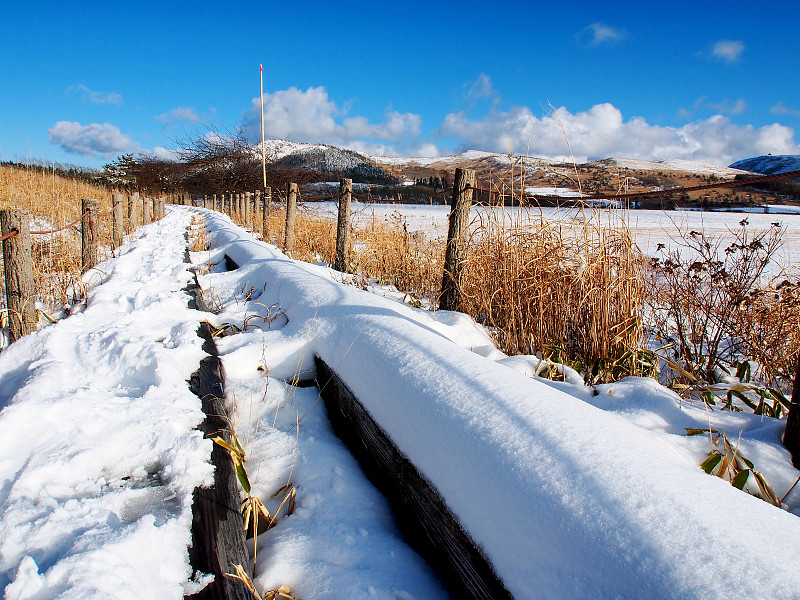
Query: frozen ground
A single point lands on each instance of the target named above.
(571, 494)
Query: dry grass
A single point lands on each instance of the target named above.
(52, 202)
(575, 291)
(572, 288)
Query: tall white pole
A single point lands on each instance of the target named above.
(263, 149)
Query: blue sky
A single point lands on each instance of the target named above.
(712, 81)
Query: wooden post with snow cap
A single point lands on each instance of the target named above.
(88, 234)
(343, 226)
(265, 214)
(291, 210)
(18, 271)
(116, 220)
(450, 298)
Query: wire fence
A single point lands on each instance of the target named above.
(55, 258)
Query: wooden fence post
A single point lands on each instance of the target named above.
(246, 199)
(450, 298)
(146, 218)
(133, 211)
(291, 208)
(266, 213)
(205, 200)
(116, 221)
(257, 209)
(791, 435)
(343, 226)
(18, 270)
(88, 234)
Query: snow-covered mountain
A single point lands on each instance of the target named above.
(674, 164)
(769, 165)
(322, 157)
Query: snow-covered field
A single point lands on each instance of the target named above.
(649, 227)
(570, 493)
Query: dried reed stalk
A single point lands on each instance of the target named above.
(53, 201)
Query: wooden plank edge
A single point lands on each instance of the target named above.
(427, 522)
(218, 541)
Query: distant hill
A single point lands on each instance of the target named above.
(324, 158)
(769, 165)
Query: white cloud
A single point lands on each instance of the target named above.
(592, 132)
(481, 88)
(600, 33)
(162, 153)
(310, 116)
(728, 50)
(781, 109)
(179, 114)
(92, 140)
(724, 107)
(727, 108)
(94, 97)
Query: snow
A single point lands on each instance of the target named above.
(649, 227)
(568, 493)
(99, 454)
(677, 164)
(425, 161)
(277, 148)
(552, 191)
(769, 165)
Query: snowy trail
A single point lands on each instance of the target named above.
(99, 454)
(569, 494)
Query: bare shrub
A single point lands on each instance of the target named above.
(700, 292)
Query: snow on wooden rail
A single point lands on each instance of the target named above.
(425, 519)
(565, 500)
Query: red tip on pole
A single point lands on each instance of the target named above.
(261, 67)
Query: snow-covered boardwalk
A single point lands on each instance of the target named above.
(567, 500)
(99, 452)
(569, 495)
